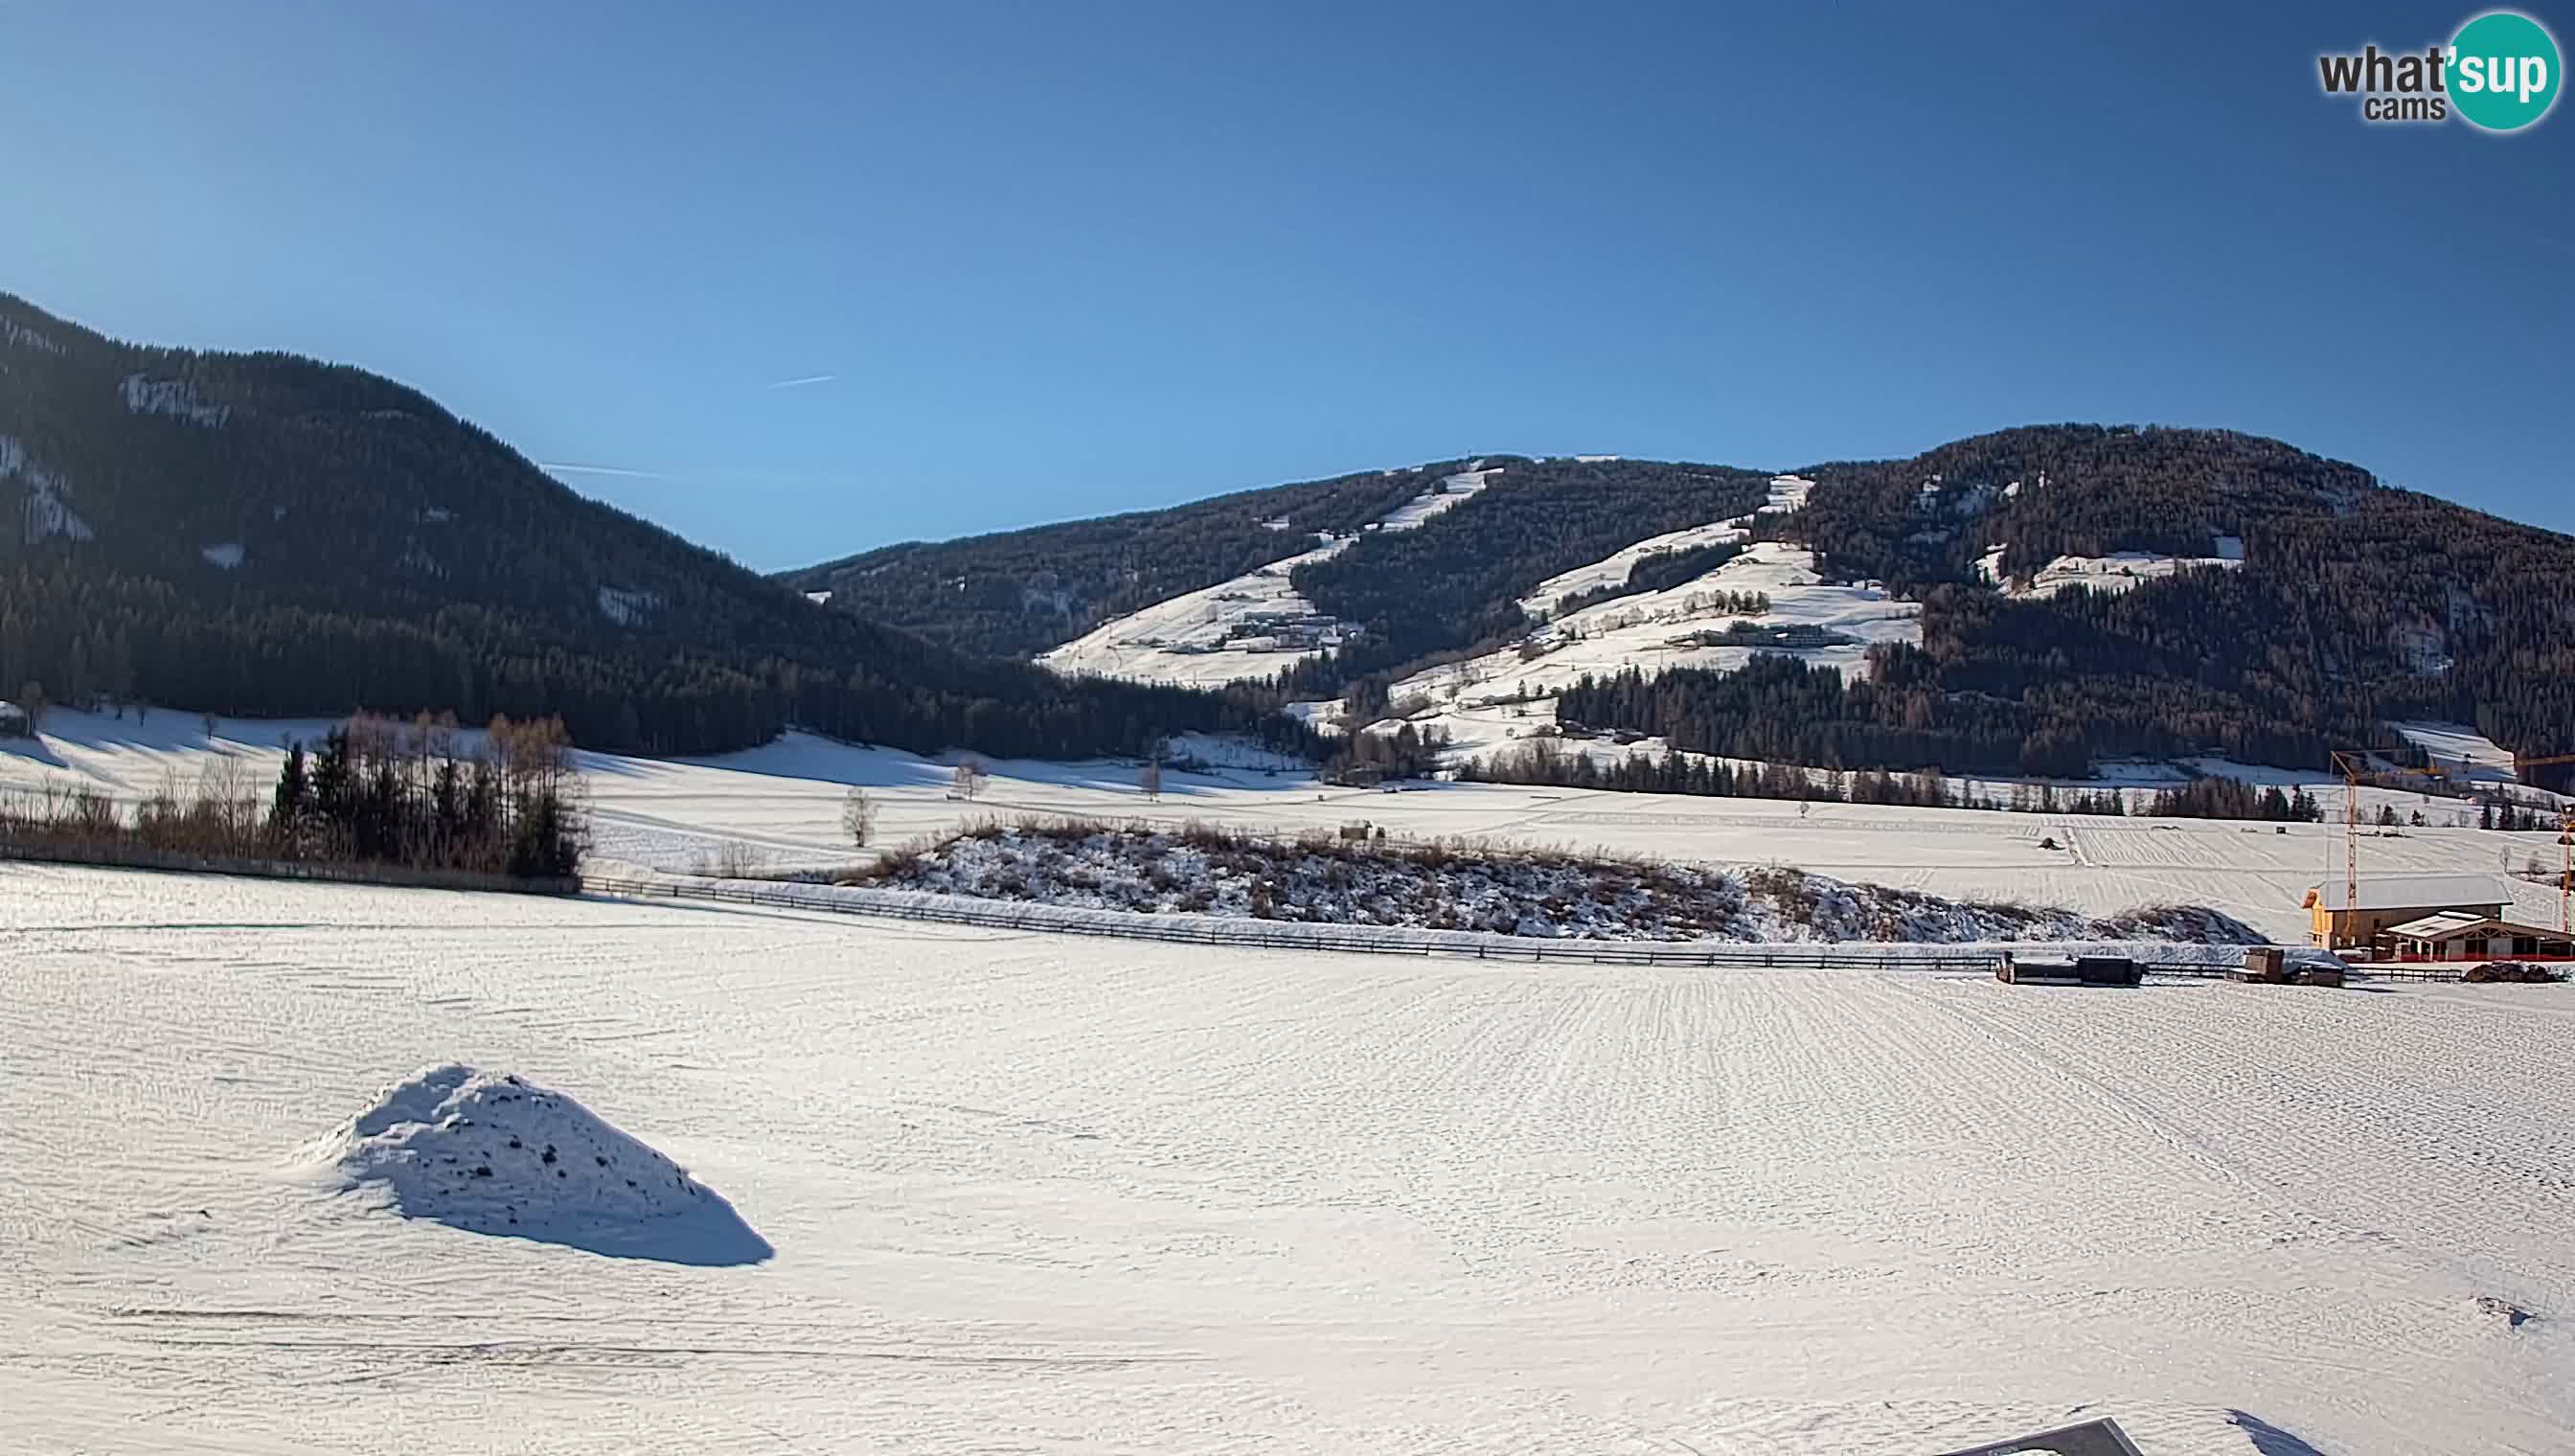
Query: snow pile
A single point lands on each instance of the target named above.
(47, 513)
(227, 555)
(626, 605)
(491, 1153)
(1329, 879)
(170, 397)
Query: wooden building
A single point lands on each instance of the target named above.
(2463, 935)
(2340, 920)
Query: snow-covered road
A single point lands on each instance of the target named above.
(1032, 1195)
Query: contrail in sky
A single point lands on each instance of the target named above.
(800, 382)
(554, 467)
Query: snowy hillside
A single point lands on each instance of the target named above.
(1700, 623)
(1612, 570)
(1249, 627)
(1036, 1193)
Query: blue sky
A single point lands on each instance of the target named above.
(857, 274)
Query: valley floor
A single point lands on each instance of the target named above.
(1034, 1195)
(779, 807)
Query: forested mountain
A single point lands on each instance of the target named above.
(266, 535)
(2343, 604)
(1019, 592)
(2356, 603)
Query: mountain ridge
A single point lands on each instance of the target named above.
(267, 535)
(2085, 590)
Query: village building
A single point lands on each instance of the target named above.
(2462, 935)
(2343, 921)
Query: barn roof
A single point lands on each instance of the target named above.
(2458, 922)
(2413, 893)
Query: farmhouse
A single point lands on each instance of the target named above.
(15, 721)
(2342, 920)
(2461, 935)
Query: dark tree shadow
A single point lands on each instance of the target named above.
(2269, 1439)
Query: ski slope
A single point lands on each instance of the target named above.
(1651, 632)
(1026, 1193)
(1251, 626)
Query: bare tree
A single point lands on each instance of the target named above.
(1150, 778)
(31, 696)
(859, 816)
(968, 780)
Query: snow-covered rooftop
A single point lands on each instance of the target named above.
(2413, 891)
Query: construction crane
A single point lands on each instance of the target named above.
(2359, 765)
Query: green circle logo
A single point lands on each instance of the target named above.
(2504, 71)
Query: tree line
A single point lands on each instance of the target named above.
(375, 790)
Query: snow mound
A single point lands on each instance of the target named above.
(491, 1153)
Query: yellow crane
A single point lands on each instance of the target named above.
(2357, 766)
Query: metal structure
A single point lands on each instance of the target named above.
(2359, 766)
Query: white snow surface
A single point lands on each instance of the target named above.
(227, 555)
(1451, 491)
(1612, 570)
(1253, 625)
(1033, 1192)
(779, 806)
(2459, 750)
(1787, 495)
(147, 395)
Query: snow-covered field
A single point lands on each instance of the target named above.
(1027, 1193)
(779, 805)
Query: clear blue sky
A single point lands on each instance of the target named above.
(1061, 260)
